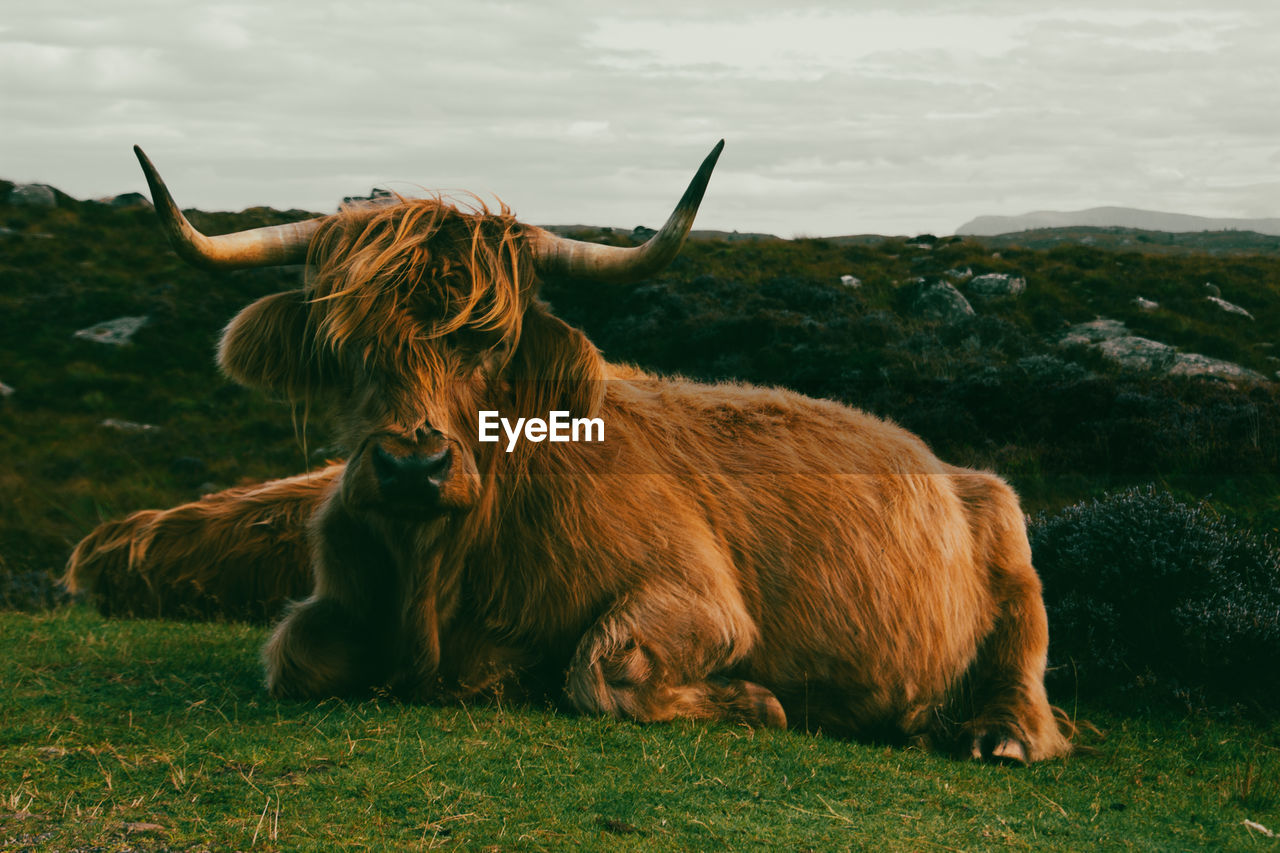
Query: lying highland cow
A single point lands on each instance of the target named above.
(724, 553)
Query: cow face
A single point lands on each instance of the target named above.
(408, 312)
(414, 315)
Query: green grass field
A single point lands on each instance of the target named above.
(158, 735)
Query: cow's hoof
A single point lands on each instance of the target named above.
(766, 709)
(999, 748)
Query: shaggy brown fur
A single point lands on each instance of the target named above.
(727, 553)
(238, 554)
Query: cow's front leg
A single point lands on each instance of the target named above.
(322, 648)
(656, 657)
(342, 639)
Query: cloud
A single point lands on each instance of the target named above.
(891, 118)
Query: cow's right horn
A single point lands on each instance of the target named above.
(580, 260)
(273, 245)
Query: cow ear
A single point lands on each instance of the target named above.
(554, 368)
(270, 345)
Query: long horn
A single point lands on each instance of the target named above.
(273, 245)
(576, 259)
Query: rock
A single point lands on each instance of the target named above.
(851, 281)
(1145, 304)
(377, 195)
(33, 195)
(1212, 289)
(1229, 307)
(1113, 340)
(1050, 369)
(13, 232)
(128, 426)
(642, 233)
(1194, 364)
(125, 200)
(1136, 353)
(5, 390)
(117, 332)
(959, 275)
(941, 301)
(1093, 332)
(996, 284)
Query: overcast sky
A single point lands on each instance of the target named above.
(839, 118)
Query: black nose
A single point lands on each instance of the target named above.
(415, 478)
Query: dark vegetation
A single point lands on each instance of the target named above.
(1144, 590)
(1133, 239)
(992, 391)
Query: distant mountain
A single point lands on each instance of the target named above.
(1113, 217)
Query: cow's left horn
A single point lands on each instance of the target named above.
(258, 247)
(576, 259)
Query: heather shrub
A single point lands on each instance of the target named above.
(1144, 590)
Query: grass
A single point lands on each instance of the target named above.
(148, 735)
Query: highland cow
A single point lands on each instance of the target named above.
(727, 552)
